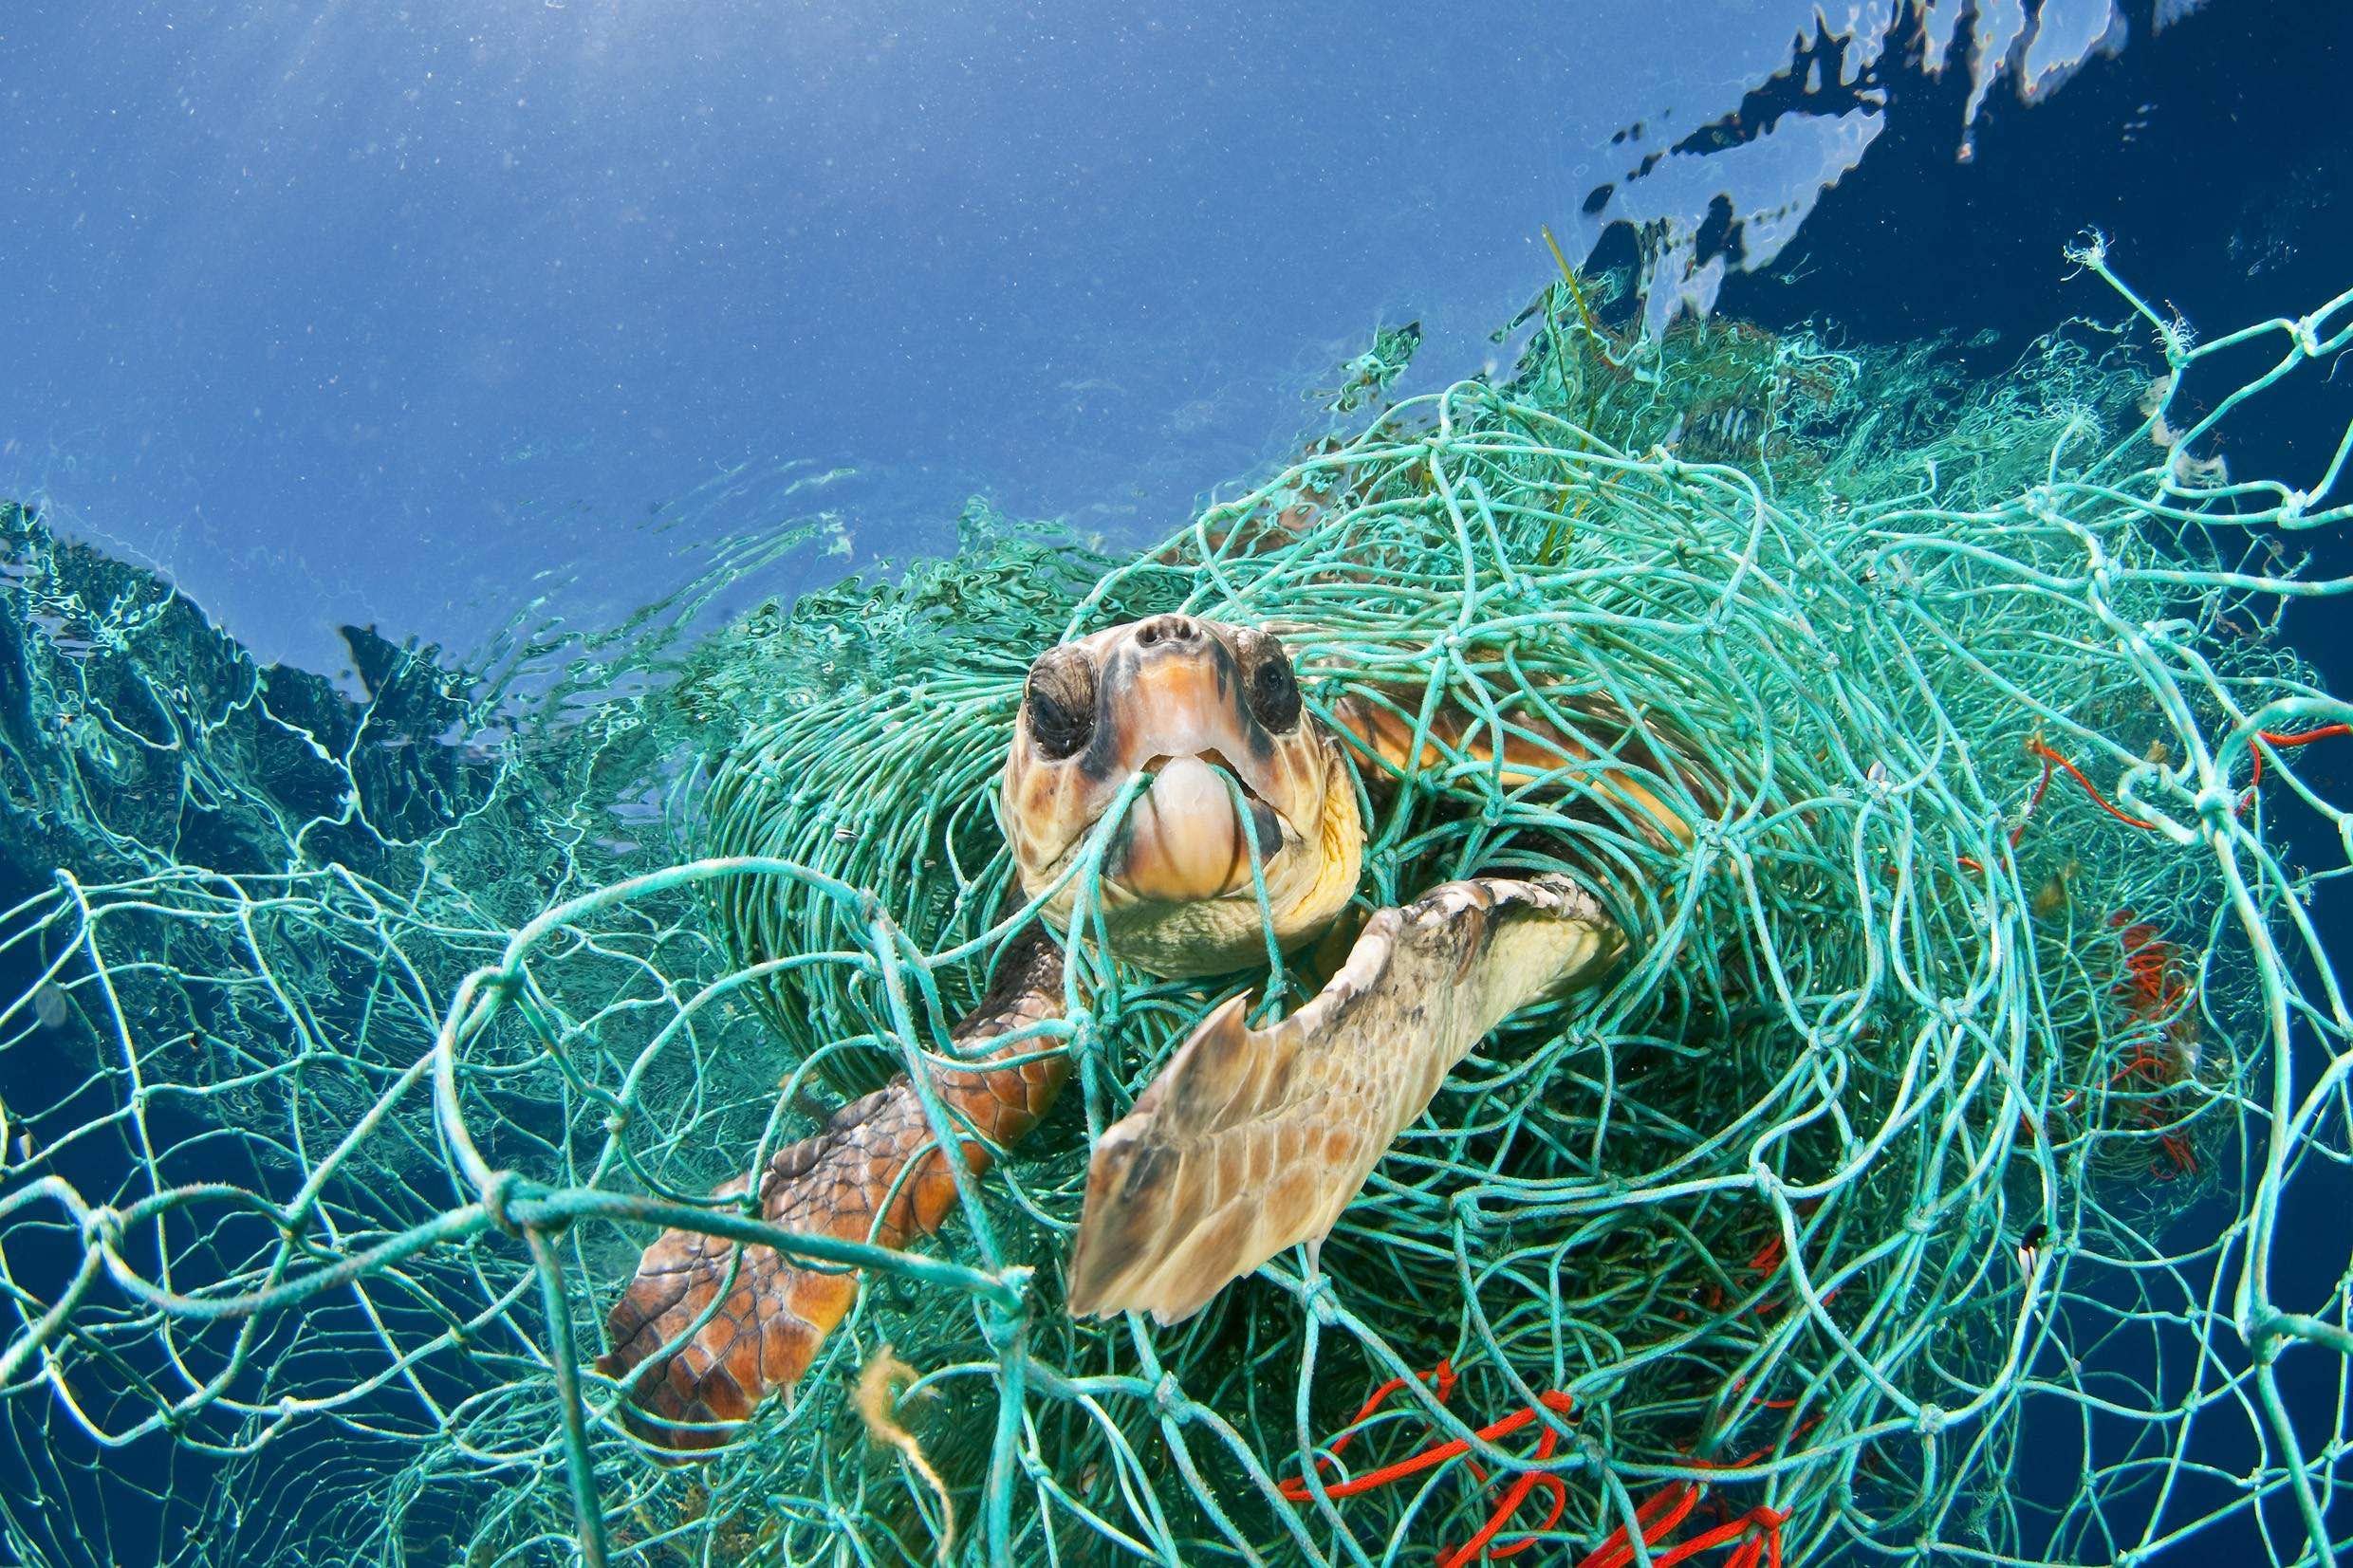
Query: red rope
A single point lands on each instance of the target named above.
(2051, 758)
(2090, 788)
(1678, 1500)
(2036, 798)
(1372, 1480)
(1770, 1518)
(1672, 1506)
(1519, 1491)
(1443, 1377)
(1529, 1482)
(1970, 862)
(2273, 737)
(1658, 1518)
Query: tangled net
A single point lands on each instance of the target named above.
(1921, 1189)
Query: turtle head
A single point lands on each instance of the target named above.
(1182, 700)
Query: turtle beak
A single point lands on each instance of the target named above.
(1183, 840)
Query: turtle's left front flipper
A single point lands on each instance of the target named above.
(1253, 1140)
(875, 1174)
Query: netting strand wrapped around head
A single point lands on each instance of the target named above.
(1949, 1101)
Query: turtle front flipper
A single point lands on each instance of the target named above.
(1253, 1140)
(875, 1174)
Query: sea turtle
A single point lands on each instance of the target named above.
(1251, 1141)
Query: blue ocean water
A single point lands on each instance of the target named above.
(406, 317)
(402, 317)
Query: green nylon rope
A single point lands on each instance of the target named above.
(1918, 1188)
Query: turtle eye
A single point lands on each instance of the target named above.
(1061, 702)
(1268, 681)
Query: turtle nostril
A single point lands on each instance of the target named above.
(1178, 631)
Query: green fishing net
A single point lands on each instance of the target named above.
(1935, 1182)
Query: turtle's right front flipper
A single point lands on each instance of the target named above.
(875, 1174)
(1253, 1140)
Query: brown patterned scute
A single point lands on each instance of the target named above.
(836, 1182)
(1381, 736)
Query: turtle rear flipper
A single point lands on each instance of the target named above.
(875, 1174)
(1253, 1140)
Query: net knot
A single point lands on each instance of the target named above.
(102, 1227)
(1168, 1396)
(500, 1191)
(1001, 1322)
(1931, 1420)
(1469, 1215)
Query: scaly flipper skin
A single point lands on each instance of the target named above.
(846, 1182)
(1253, 1140)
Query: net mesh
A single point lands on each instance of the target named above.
(1933, 1183)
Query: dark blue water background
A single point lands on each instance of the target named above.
(409, 314)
